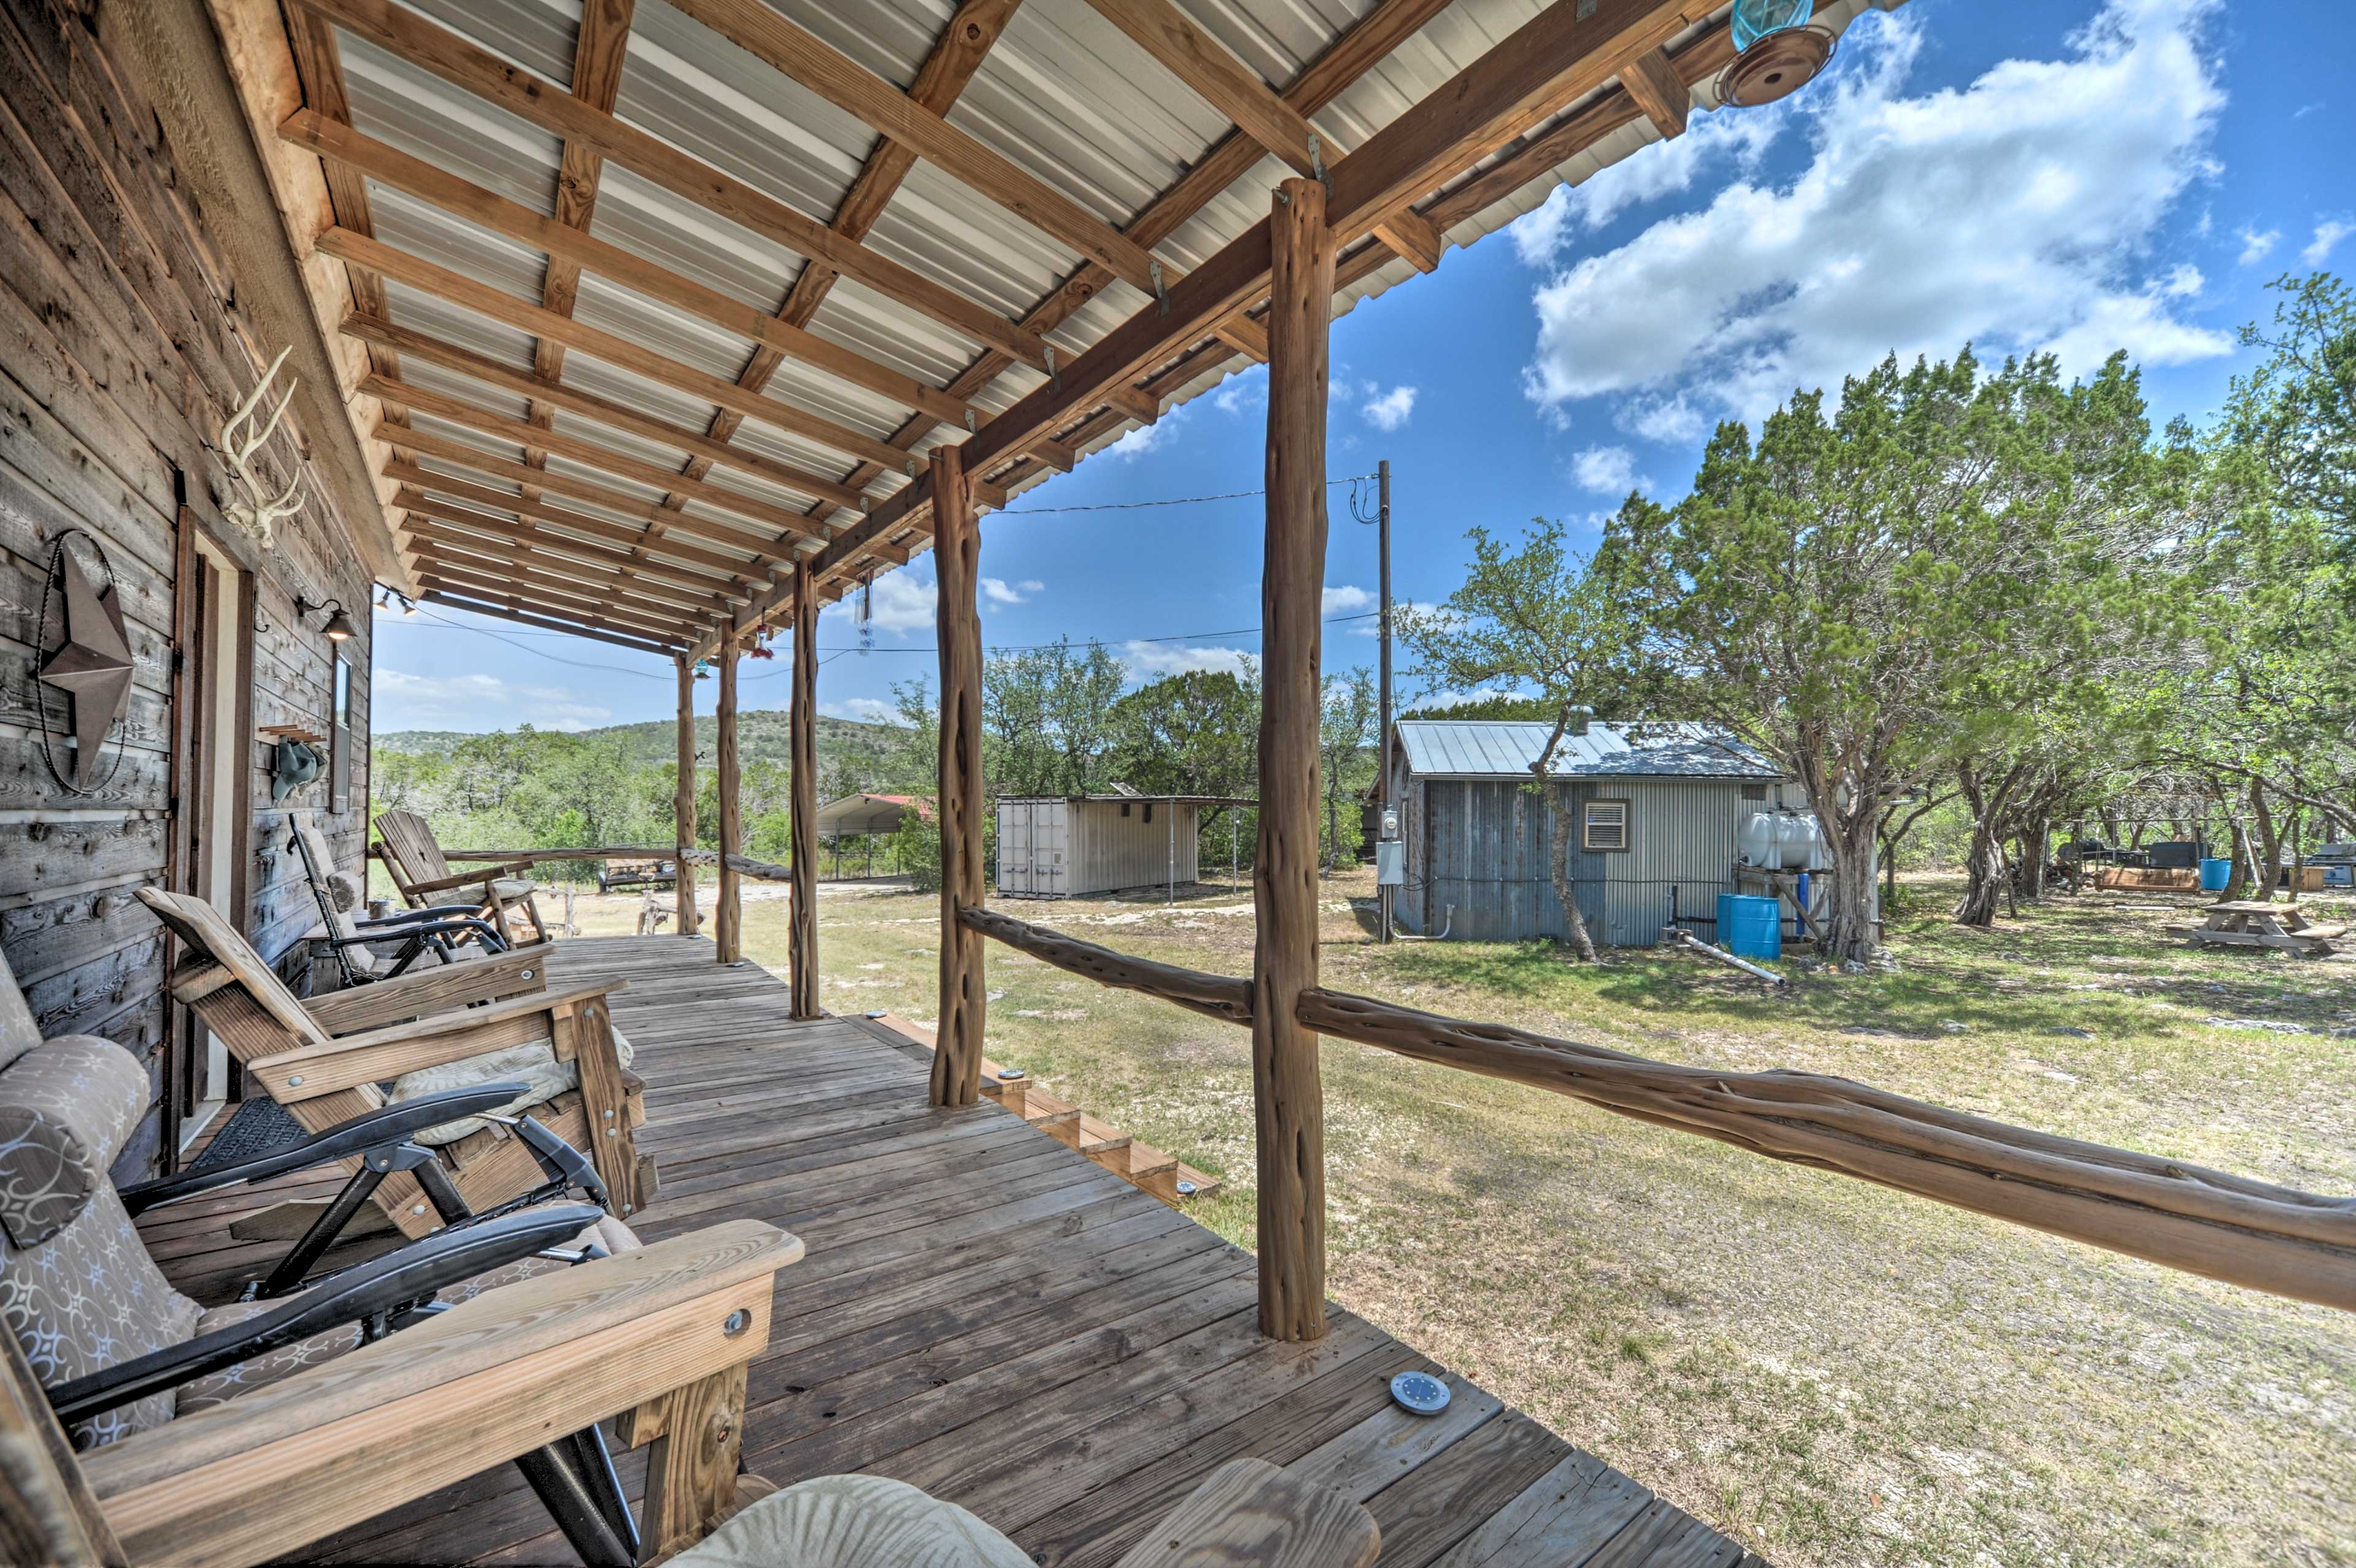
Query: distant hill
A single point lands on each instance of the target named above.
(762, 736)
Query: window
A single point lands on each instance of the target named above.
(1606, 826)
(339, 755)
(1754, 791)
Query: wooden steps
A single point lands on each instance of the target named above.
(1140, 1164)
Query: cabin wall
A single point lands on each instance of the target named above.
(120, 351)
(1478, 868)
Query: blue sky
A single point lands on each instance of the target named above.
(2024, 174)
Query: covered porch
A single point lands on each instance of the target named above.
(990, 1315)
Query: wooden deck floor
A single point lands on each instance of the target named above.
(987, 1314)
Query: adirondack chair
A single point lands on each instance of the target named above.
(326, 1059)
(246, 1431)
(368, 949)
(406, 845)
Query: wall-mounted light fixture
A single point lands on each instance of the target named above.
(385, 596)
(339, 628)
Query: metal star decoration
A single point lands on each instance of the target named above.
(93, 667)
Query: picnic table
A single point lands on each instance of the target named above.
(2251, 922)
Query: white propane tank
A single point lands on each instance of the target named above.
(1754, 841)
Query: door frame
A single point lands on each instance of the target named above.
(195, 754)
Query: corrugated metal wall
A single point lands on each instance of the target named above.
(1062, 848)
(1481, 846)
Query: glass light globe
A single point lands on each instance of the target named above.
(1754, 20)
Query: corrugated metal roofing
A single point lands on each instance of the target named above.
(1496, 748)
(1063, 94)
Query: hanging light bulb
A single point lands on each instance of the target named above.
(385, 598)
(408, 606)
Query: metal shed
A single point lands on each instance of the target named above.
(1655, 810)
(1068, 846)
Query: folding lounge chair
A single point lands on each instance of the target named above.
(242, 1431)
(330, 1060)
(369, 948)
(406, 845)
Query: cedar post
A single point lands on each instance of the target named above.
(957, 556)
(803, 974)
(728, 923)
(1289, 1109)
(682, 800)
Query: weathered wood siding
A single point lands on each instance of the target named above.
(121, 349)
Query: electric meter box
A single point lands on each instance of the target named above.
(1390, 863)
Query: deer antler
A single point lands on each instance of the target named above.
(242, 439)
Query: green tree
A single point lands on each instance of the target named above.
(1345, 745)
(2295, 413)
(1539, 618)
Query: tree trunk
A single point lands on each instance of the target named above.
(1984, 866)
(1558, 847)
(1846, 932)
(2269, 842)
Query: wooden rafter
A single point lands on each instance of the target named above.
(476, 463)
(600, 48)
(457, 288)
(579, 251)
(582, 606)
(555, 589)
(800, 54)
(508, 601)
(482, 550)
(546, 623)
(590, 551)
(787, 522)
(427, 483)
(476, 366)
(411, 36)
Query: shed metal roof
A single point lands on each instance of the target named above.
(1494, 748)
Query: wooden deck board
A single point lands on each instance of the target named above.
(987, 1313)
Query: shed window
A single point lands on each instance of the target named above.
(1606, 826)
(1754, 791)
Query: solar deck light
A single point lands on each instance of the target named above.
(1420, 1393)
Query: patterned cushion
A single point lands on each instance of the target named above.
(65, 1111)
(221, 1387)
(18, 1032)
(88, 1298)
(535, 1066)
(852, 1522)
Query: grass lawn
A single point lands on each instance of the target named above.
(1834, 1372)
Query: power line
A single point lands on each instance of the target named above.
(1171, 501)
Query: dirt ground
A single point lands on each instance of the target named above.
(1834, 1372)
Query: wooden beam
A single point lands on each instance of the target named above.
(552, 591)
(604, 410)
(964, 1004)
(475, 461)
(546, 623)
(740, 573)
(459, 289)
(340, 143)
(449, 551)
(682, 800)
(623, 562)
(1554, 59)
(802, 975)
(495, 598)
(860, 93)
(789, 525)
(411, 36)
(1287, 1097)
(728, 926)
(1657, 89)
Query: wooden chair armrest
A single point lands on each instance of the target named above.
(421, 993)
(481, 877)
(500, 1375)
(310, 1071)
(1248, 1510)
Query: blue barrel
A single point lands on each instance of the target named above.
(1749, 927)
(2215, 874)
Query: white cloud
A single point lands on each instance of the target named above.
(2013, 212)
(477, 702)
(866, 709)
(1389, 411)
(1666, 168)
(1241, 394)
(898, 602)
(1345, 600)
(1668, 420)
(1000, 591)
(1150, 661)
(2328, 234)
(1610, 469)
(2257, 246)
(1147, 438)
(1459, 698)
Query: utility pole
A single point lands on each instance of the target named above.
(1383, 742)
